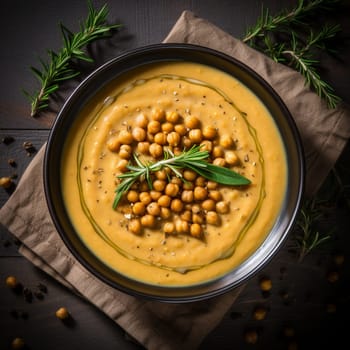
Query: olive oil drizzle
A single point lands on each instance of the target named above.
(80, 157)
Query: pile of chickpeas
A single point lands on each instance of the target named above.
(173, 205)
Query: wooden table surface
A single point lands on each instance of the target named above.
(310, 298)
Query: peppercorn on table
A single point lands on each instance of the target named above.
(299, 300)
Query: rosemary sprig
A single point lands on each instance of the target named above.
(193, 159)
(307, 236)
(289, 38)
(297, 15)
(305, 64)
(60, 66)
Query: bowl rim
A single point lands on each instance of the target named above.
(162, 294)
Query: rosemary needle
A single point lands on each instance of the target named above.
(289, 38)
(193, 159)
(307, 236)
(60, 67)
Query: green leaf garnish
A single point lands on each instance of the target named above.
(193, 159)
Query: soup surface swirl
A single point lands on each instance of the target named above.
(90, 167)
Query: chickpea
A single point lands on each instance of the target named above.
(132, 196)
(153, 209)
(189, 175)
(339, 259)
(160, 138)
(155, 195)
(164, 201)
(176, 180)
(206, 145)
(195, 135)
(145, 198)
(186, 141)
(134, 186)
(209, 132)
(188, 185)
(196, 230)
(333, 276)
(187, 196)
(196, 209)
(158, 114)
(293, 345)
(17, 343)
(177, 150)
(226, 141)
(141, 121)
(331, 308)
(212, 185)
(176, 205)
(121, 165)
(197, 219)
(212, 218)
(165, 213)
(208, 204)
(192, 122)
(181, 129)
(153, 127)
(161, 174)
(155, 150)
(167, 127)
(135, 226)
(200, 181)
(169, 227)
(148, 220)
(200, 193)
(173, 138)
(62, 313)
(125, 152)
(265, 284)
(159, 185)
(113, 144)
(181, 226)
(215, 195)
(138, 134)
(219, 162)
(231, 158)
(150, 137)
(139, 208)
(125, 137)
(186, 215)
(143, 187)
(172, 117)
(222, 207)
(259, 313)
(251, 336)
(217, 152)
(172, 189)
(289, 332)
(11, 282)
(143, 147)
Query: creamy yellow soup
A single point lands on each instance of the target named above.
(89, 171)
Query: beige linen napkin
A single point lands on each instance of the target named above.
(158, 325)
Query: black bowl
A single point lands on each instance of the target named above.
(111, 71)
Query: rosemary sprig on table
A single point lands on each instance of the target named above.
(60, 66)
(193, 159)
(307, 236)
(288, 38)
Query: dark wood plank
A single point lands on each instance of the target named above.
(16, 153)
(14, 159)
(35, 320)
(144, 22)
